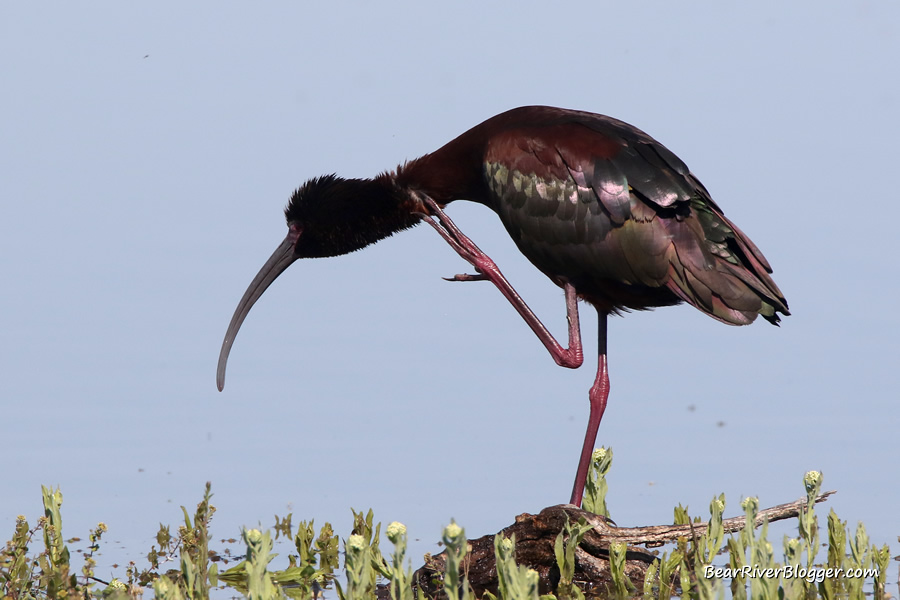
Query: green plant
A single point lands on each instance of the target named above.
(400, 574)
(669, 568)
(455, 586)
(16, 568)
(47, 573)
(567, 543)
(622, 586)
(515, 582)
(596, 487)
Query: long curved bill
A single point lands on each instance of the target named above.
(280, 260)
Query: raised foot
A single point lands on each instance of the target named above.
(467, 277)
(487, 269)
(460, 242)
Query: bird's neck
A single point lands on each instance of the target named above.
(453, 172)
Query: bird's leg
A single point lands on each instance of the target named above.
(598, 396)
(570, 357)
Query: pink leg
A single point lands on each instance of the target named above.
(598, 396)
(570, 357)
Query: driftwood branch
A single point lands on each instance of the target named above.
(660, 534)
(536, 535)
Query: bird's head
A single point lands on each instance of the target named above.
(326, 216)
(337, 216)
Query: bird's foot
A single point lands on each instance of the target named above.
(460, 242)
(486, 269)
(467, 277)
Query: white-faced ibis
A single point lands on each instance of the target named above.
(605, 211)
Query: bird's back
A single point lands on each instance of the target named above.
(599, 203)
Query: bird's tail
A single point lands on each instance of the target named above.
(729, 278)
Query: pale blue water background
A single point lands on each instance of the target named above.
(146, 153)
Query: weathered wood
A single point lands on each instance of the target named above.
(660, 534)
(536, 536)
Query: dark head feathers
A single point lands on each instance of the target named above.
(337, 216)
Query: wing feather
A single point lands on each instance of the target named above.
(601, 204)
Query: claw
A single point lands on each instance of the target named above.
(467, 277)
